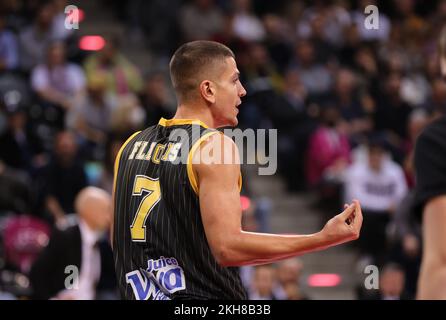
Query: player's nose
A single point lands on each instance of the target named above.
(242, 91)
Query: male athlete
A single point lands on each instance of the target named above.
(177, 227)
(430, 196)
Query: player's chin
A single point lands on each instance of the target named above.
(234, 121)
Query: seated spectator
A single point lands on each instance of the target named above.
(20, 148)
(154, 99)
(122, 77)
(328, 155)
(287, 286)
(15, 191)
(128, 115)
(64, 178)
(112, 146)
(34, 39)
(90, 118)
(391, 284)
(316, 77)
(262, 283)
(9, 54)
(246, 25)
(417, 122)
(349, 100)
(58, 82)
(380, 185)
(200, 20)
(83, 246)
(392, 114)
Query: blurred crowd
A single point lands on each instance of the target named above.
(348, 103)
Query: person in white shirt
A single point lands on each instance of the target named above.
(57, 81)
(379, 183)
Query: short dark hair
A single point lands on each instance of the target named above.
(190, 63)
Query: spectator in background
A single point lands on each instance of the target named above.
(391, 284)
(90, 118)
(64, 177)
(365, 63)
(246, 25)
(261, 73)
(287, 286)
(15, 192)
(324, 49)
(380, 185)
(316, 77)
(154, 99)
(20, 147)
(417, 122)
(128, 115)
(122, 76)
(295, 127)
(84, 246)
(328, 155)
(349, 99)
(153, 22)
(58, 82)
(439, 15)
(332, 19)
(263, 283)
(34, 39)
(9, 54)
(278, 40)
(437, 101)
(200, 20)
(392, 114)
(114, 143)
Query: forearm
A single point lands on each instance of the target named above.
(247, 248)
(51, 96)
(432, 281)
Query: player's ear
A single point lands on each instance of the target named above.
(207, 90)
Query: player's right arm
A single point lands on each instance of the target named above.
(221, 215)
(432, 280)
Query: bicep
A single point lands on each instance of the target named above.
(219, 196)
(220, 204)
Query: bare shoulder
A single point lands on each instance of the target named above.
(216, 150)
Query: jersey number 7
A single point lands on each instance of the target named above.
(148, 202)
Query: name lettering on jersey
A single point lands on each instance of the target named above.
(162, 278)
(155, 152)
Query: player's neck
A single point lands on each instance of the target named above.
(202, 114)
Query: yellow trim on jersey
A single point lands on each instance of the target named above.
(178, 122)
(190, 172)
(118, 157)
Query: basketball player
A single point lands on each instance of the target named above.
(430, 197)
(177, 226)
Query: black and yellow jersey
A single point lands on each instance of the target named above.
(159, 243)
